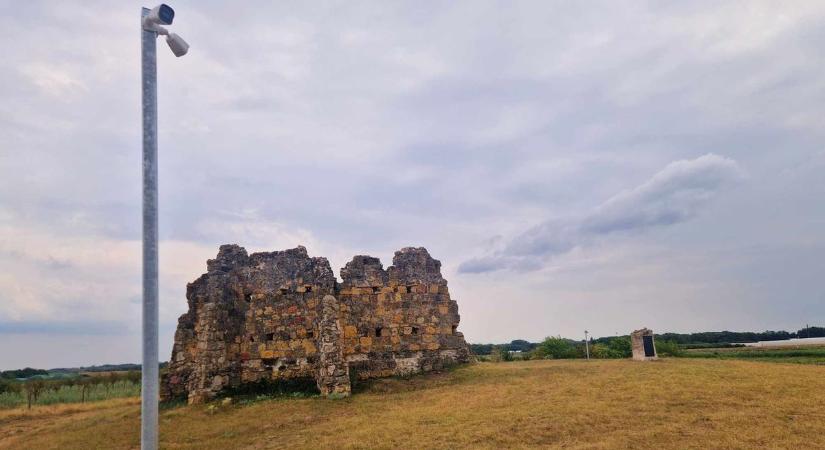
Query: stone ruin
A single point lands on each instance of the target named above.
(644, 348)
(281, 316)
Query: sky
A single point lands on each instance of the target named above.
(604, 166)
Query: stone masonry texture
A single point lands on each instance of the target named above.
(281, 316)
(637, 343)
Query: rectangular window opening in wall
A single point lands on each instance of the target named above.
(310, 334)
(375, 289)
(455, 328)
(248, 298)
(251, 338)
(308, 288)
(414, 330)
(270, 336)
(409, 289)
(378, 331)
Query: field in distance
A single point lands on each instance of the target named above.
(802, 354)
(671, 403)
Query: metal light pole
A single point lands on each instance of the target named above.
(150, 25)
(586, 346)
(149, 373)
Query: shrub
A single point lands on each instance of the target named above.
(620, 347)
(557, 348)
(500, 353)
(9, 386)
(600, 351)
(669, 348)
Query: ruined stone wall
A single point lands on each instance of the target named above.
(283, 316)
(398, 321)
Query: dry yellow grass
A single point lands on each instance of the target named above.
(676, 403)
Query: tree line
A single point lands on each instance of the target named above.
(77, 388)
(22, 373)
(684, 340)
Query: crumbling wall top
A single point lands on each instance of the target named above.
(414, 265)
(229, 257)
(272, 270)
(364, 271)
(411, 265)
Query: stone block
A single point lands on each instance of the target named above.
(644, 347)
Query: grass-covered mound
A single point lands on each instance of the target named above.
(671, 403)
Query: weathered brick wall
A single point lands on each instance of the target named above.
(401, 320)
(263, 317)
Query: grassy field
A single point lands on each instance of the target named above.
(797, 355)
(73, 394)
(672, 403)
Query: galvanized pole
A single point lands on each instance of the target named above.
(149, 372)
(586, 346)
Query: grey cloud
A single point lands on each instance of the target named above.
(675, 194)
(371, 127)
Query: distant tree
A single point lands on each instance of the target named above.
(28, 372)
(668, 348)
(811, 332)
(520, 345)
(725, 337)
(481, 349)
(85, 384)
(110, 380)
(557, 348)
(133, 376)
(600, 351)
(500, 353)
(620, 347)
(33, 388)
(9, 386)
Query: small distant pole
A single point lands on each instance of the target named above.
(808, 329)
(586, 346)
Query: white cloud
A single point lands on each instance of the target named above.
(54, 81)
(673, 195)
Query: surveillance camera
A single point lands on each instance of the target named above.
(177, 44)
(161, 15)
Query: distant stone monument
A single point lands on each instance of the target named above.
(644, 348)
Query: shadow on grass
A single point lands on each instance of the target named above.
(445, 376)
(262, 390)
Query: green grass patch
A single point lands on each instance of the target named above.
(72, 394)
(814, 355)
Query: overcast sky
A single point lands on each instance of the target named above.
(574, 165)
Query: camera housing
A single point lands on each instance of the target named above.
(155, 20)
(162, 14)
(177, 44)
